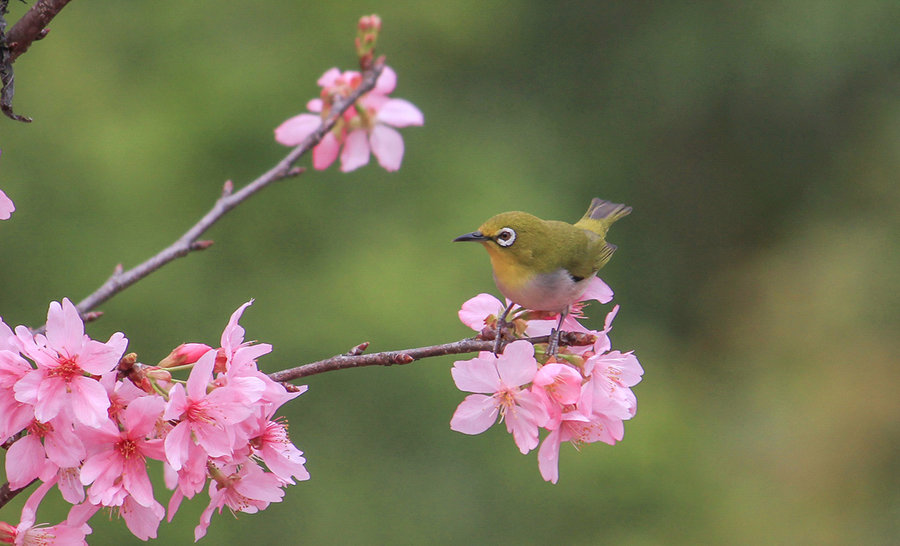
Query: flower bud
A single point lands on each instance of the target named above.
(186, 353)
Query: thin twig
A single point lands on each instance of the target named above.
(389, 358)
(189, 241)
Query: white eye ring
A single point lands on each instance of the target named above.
(505, 237)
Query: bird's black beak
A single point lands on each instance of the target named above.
(474, 236)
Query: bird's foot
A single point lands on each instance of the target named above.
(553, 345)
(498, 339)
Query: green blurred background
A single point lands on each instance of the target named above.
(758, 142)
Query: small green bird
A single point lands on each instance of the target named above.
(546, 265)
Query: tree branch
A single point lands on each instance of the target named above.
(355, 360)
(188, 242)
(32, 26)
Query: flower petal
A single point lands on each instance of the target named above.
(475, 310)
(597, 290)
(387, 145)
(386, 82)
(476, 375)
(548, 457)
(6, 206)
(356, 151)
(328, 78)
(400, 113)
(65, 329)
(326, 152)
(294, 130)
(517, 365)
(475, 414)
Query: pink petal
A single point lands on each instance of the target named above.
(326, 151)
(233, 335)
(475, 414)
(548, 457)
(141, 415)
(329, 77)
(387, 145)
(315, 105)
(142, 521)
(6, 333)
(597, 290)
(136, 481)
(24, 461)
(562, 382)
(51, 396)
(386, 82)
(176, 445)
(201, 375)
(476, 375)
(356, 151)
(89, 401)
(400, 113)
(523, 429)
(6, 206)
(177, 404)
(99, 465)
(98, 358)
(474, 311)
(294, 130)
(65, 329)
(530, 409)
(27, 388)
(63, 447)
(517, 365)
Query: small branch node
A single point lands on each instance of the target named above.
(202, 245)
(358, 350)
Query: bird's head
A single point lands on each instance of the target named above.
(510, 237)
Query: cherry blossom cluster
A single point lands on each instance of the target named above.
(581, 395)
(81, 415)
(367, 127)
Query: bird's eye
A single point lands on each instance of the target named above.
(505, 237)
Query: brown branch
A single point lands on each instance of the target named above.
(188, 242)
(389, 358)
(32, 26)
(7, 494)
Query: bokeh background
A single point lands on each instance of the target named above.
(758, 142)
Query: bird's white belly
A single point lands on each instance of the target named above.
(552, 292)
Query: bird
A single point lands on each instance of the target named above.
(546, 265)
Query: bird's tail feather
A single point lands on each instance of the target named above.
(601, 214)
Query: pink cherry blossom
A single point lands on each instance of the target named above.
(612, 375)
(207, 417)
(117, 466)
(557, 385)
(28, 457)
(368, 126)
(499, 382)
(65, 359)
(270, 442)
(248, 489)
(579, 426)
